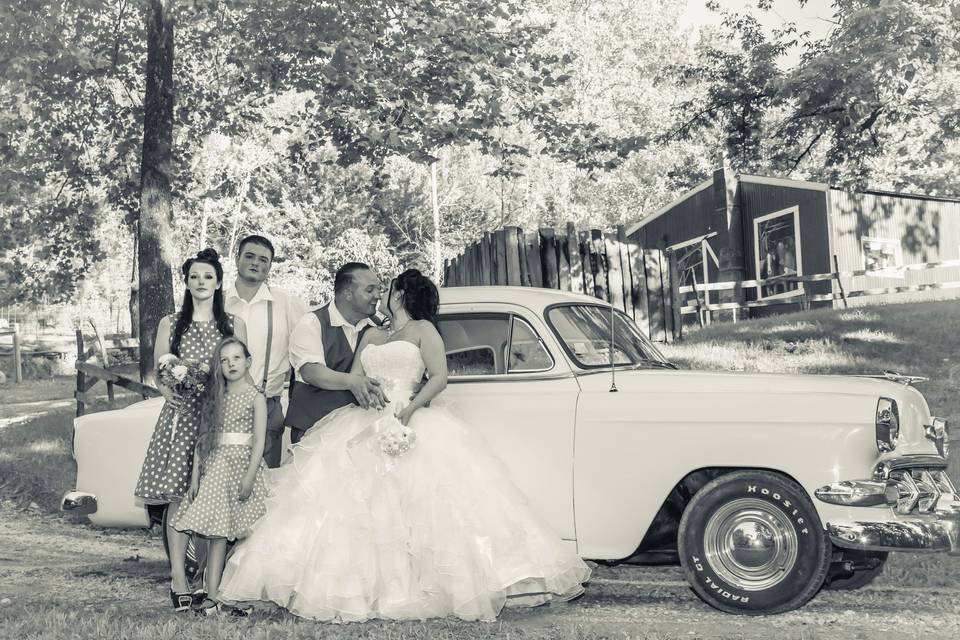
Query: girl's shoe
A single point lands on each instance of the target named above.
(181, 601)
(198, 596)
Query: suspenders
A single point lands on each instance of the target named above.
(266, 360)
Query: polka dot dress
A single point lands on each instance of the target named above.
(165, 475)
(217, 511)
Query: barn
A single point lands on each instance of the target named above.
(743, 227)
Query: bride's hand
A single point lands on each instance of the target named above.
(404, 416)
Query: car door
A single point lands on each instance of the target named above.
(507, 383)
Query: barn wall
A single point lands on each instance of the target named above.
(926, 231)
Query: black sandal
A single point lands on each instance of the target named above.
(211, 607)
(181, 601)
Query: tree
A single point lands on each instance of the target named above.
(880, 86)
(155, 286)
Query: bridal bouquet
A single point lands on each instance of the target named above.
(185, 376)
(396, 439)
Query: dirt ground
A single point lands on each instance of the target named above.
(93, 582)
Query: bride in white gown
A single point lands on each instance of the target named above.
(352, 533)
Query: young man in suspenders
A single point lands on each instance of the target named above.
(270, 314)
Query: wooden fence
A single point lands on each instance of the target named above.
(644, 283)
(17, 353)
(602, 264)
(695, 299)
(89, 374)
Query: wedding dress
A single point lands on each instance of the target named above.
(352, 533)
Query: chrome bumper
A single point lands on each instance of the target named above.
(79, 502)
(918, 490)
(937, 535)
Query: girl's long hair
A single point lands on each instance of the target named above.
(224, 324)
(211, 407)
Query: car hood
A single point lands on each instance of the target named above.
(713, 382)
(716, 398)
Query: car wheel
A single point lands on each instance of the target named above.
(751, 542)
(196, 554)
(855, 572)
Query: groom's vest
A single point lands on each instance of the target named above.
(309, 403)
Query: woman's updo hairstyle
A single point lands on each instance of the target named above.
(224, 322)
(420, 296)
(206, 256)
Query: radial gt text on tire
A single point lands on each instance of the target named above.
(751, 542)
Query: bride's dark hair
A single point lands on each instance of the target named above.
(420, 296)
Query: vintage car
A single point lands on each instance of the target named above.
(764, 488)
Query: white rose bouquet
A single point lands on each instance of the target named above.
(185, 376)
(396, 439)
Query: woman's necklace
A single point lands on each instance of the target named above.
(397, 328)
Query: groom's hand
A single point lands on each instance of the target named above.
(368, 393)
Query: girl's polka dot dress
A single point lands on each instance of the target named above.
(165, 476)
(217, 511)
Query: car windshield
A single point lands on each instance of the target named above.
(584, 331)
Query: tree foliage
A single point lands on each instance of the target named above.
(880, 85)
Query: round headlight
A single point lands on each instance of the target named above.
(888, 424)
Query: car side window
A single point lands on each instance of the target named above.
(527, 351)
(476, 343)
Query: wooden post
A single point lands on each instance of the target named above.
(548, 258)
(586, 259)
(531, 253)
(524, 247)
(563, 260)
(576, 261)
(696, 297)
(486, 262)
(513, 237)
(598, 265)
(836, 275)
(81, 376)
(673, 271)
(17, 358)
(500, 247)
(614, 271)
(638, 288)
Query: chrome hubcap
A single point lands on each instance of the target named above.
(751, 544)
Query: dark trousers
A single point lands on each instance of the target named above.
(273, 445)
(295, 435)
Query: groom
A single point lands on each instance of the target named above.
(322, 347)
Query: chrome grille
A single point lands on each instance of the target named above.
(920, 490)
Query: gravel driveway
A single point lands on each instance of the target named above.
(85, 580)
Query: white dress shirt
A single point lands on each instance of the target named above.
(306, 340)
(287, 311)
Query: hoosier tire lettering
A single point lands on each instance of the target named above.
(789, 506)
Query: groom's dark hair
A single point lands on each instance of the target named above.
(344, 277)
(256, 239)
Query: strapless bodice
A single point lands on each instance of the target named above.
(397, 366)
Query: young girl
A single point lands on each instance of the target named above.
(227, 490)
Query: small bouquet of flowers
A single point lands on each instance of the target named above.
(185, 376)
(396, 439)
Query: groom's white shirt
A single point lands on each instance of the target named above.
(287, 310)
(306, 340)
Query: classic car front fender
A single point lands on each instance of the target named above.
(632, 448)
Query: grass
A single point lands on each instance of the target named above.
(78, 581)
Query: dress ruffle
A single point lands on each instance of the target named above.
(352, 534)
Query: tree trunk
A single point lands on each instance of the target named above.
(154, 235)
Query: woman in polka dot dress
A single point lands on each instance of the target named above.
(227, 489)
(193, 333)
